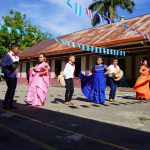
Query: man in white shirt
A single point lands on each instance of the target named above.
(68, 75)
(9, 64)
(113, 83)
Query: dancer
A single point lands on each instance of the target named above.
(113, 84)
(69, 74)
(142, 84)
(38, 82)
(93, 86)
(10, 62)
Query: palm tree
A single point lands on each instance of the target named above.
(108, 8)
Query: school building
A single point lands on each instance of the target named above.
(113, 36)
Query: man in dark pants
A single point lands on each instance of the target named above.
(69, 74)
(113, 84)
(9, 64)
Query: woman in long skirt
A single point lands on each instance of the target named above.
(38, 83)
(142, 84)
(93, 86)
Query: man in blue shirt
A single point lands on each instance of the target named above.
(9, 64)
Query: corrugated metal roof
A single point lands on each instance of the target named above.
(98, 36)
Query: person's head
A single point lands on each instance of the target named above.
(99, 60)
(15, 48)
(145, 61)
(42, 57)
(71, 58)
(115, 61)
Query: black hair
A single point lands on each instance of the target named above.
(101, 58)
(71, 55)
(115, 59)
(144, 59)
(44, 55)
(14, 46)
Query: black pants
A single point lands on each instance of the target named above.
(11, 87)
(69, 89)
(113, 88)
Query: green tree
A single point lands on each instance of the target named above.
(25, 38)
(108, 8)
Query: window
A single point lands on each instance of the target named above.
(78, 67)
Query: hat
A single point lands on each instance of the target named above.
(118, 74)
(61, 79)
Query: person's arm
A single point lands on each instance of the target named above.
(43, 72)
(66, 70)
(4, 60)
(107, 70)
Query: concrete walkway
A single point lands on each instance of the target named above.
(124, 124)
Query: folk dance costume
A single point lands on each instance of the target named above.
(10, 63)
(142, 84)
(38, 85)
(93, 86)
(69, 74)
(113, 83)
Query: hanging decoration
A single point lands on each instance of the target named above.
(83, 47)
(69, 3)
(137, 31)
(78, 9)
(89, 13)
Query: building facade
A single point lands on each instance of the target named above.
(109, 36)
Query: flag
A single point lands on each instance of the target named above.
(89, 13)
(104, 51)
(55, 39)
(9, 30)
(100, 50)
(73, 44)
(48, 37)
(18, 31)
(78, 9)
(109, 20)
(124, 53)
(100, 17)
(34, 34)
(88, 47)
(107, 51)
(69, 3)
(125, 26)
(120, 53)
(63, 41)
(92, 48)
(83, 47)
(96, 49)
(68, 43)
(0, 27)
(78, 44)
(111, 52)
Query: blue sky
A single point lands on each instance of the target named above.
(57, 18)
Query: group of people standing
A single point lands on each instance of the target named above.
(93, 85)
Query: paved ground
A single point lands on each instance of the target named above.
(121, 125)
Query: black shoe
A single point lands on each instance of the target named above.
(12, 107)
(6, 107)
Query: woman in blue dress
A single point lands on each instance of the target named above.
(93, 86)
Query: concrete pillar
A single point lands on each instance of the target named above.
(83, 64)
(23, 70)
(53, 68)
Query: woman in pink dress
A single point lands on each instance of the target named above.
(38, 82)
